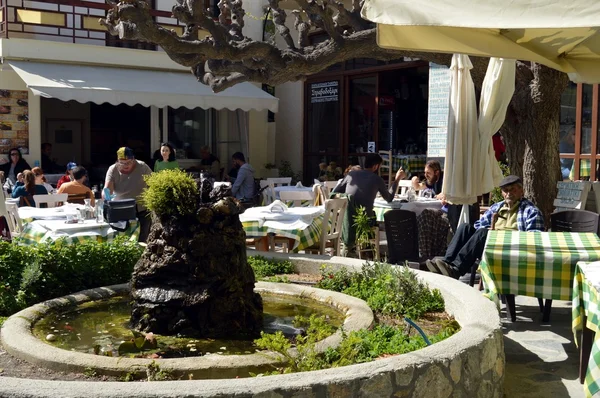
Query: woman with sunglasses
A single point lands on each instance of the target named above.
(16, 164)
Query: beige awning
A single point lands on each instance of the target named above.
(133, 86)
(560, 34)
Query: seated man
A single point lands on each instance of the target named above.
(210, 162)
(513, 213)
(434, 179)
(77, 186)
(243, 184)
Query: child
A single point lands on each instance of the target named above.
(322, 171)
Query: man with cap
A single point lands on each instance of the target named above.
(68, 177)
(125, 178)
(513, 213)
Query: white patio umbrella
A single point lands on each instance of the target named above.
(564, 35)
(462, 143)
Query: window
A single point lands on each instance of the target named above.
(189, 130)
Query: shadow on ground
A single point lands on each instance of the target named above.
(541, 358)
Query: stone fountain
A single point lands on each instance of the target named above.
(193, 277)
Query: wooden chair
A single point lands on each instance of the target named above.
(14, 221)
(386, 168)
(329, 185)
(50, 200)
(79, 197)
(268, 191)
(331, 229)
(280, 181)
(296, 198)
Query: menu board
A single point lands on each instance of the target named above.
(324, 92)
(571, 195)
(437, 110)
(14, 121)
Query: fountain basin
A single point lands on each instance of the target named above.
(18, 340)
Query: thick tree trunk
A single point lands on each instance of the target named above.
(531, 132)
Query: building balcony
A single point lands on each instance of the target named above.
(74, 21)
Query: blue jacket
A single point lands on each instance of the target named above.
(243, 185)
(529, 217)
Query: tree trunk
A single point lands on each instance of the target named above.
(531, 132)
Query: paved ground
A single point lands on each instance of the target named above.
(542, 359)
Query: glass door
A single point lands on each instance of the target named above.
(362, 117)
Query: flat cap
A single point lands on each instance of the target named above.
(509, 180)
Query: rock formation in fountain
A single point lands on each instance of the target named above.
(193, 277)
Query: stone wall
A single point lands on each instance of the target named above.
(468, 364)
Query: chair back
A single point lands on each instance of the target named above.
(268, 191)
(79, 197)
(319, 194)
(14, 221)
(333, 220)
(574, 221)
(295, 198)
(385, 169)
(402, 236)
(280, 181)
(50, 200)
(403, 186)
(329, 185)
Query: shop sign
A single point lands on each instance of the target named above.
(324, 92)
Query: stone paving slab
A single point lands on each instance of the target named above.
(541, 358)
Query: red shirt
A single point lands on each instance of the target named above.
(63, 179)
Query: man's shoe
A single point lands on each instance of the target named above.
(432, 267)
(447, 269)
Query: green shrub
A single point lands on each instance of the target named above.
(30, 274)
(171, 192)
(264, 267)
(388, 289)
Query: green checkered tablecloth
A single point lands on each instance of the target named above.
(38, 231)
(536, 264)
(303, 237)
(586, 303)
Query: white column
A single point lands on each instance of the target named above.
(155, 133)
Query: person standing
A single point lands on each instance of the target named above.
(16, 164)
(167, 160)
(77, 186)
(243, 184)
(125, 178)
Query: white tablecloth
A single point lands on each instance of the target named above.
(53, 213)
(288, 219)
(417, 206)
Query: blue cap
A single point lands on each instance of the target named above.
(71, 166)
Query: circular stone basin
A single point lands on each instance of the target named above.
(102, 328)
(18, 340)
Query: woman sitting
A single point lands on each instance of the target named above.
(41, 180)
(168, 161)
(25, 193)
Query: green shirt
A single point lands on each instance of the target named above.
(507, 217)
(161, 165)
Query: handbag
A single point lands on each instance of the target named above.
(120, 210)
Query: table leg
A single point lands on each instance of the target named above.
(547, 309)
(585, 348)
(262, 244)
(510, 307)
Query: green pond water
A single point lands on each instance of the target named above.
(101, 327)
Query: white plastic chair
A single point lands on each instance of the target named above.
(50, 200)
(403, 186)
(296, 197)
(280, 181)
(14, 221)
(329, 185)
(386, 168)
(331, 229)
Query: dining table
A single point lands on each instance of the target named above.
(586, 322)
(381, 206)
(45, 225)
(301, 225)
(534, 264)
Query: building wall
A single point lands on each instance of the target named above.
(9, 80)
